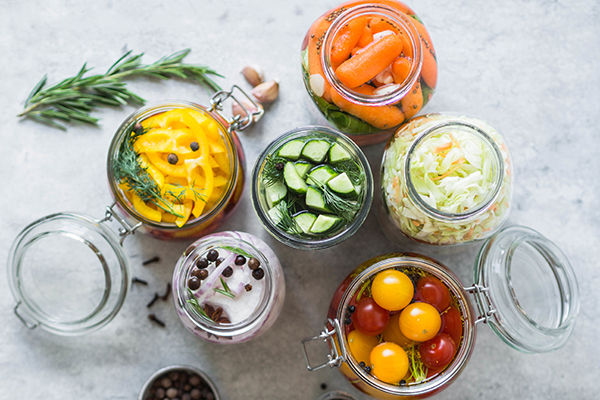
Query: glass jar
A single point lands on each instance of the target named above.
(68, 272)
(525, 290)
(368, 66)
(290, 182)
(445, 180)
(207, 310)
(223, 200)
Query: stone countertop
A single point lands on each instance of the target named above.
(529, 68)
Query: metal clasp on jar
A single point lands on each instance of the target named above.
(236, 123)
(125, 229)
(483, 302)
(334, 357)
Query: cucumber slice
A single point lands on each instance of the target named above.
(341, 184)
(275, 193)
(325, 223)
(305, 221)
(316, 150)
(338, 153)
(314, 199)
(275, 215)
(293, 180)
(303, 167)
(292, 149)
(320, 175)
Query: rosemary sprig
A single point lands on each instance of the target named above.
(238, 251)
(73, 99)
(194, 302)
(271, 174)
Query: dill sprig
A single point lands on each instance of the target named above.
(73, 99)
(418, 370)
(343, 208)
(271, 174)
(194, 302)
(127, 169)
(286, 222)
(352, 169)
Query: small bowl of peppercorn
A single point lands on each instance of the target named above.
(179, 382)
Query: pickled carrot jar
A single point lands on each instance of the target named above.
(192, 166)
(402, 325)
(368, 66)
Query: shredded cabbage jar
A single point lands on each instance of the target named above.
(445, 180)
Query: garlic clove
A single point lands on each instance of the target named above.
(253, 74)
(266, 92)
(386, 89)
(317, 84)
(236, 109)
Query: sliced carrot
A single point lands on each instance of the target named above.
(367, 64)
(347, 39)
(382, 117)
(366, 37)
(401, 69)
(413, 101)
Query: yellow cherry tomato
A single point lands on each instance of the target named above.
(389, 362)
(393, 333)
(361, 345)
(392, 290)
(420, 321)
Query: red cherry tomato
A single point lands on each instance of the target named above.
(437, 352)
(370, 319)
(337, 297)
(452, 324)
(432, 291)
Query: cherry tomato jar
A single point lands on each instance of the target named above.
(368, 66)
(525, 290)
(200, 189)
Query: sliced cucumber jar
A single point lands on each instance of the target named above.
(312, 187)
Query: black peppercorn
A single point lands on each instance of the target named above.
(323, 386)
(219, 261)
(258, 274)
(351, 309)
(227, 272)
(202, 263)
(368, 369)
(194, 146)
(248, 287)
(402, 382)
(362, 364)
(193, 283)
(347, 321)
(240, 260)
(279, 166)
(138, 127)
(201, 274)
(212, 255)
(172, 158)
(253, 263)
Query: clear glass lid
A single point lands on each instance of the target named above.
(527, 290)
(68, 274)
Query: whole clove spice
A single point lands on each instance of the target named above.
(167, 292)
(138, 280)
(153, 300)
(153, 318)
(151, 260)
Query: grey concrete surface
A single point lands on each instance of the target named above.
(530, 68)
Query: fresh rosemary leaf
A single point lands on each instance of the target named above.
(79, 95)
(223, 292)
(194, 302)
(237, 250)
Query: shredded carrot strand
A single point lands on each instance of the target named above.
(416, 223)
(443, 147)
(460, 161)
(449, 172)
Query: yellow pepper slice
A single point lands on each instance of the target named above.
(144, 210)
(183, 116)
(223, 161)
(166, 168)
(152, 170)
(165, 141)
(184, 209)
(220, 181)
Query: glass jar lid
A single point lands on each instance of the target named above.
(68, 274)
(526, 290)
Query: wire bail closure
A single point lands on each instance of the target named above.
(483, 302)
(125, 229)
(334, 358)
(237, 123)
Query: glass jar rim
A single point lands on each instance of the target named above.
(74, 226)
(187, 263)
(498, 162)
(494, 268)
(438, 270)
(294, 241)
(153, 109)
(384, 11)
